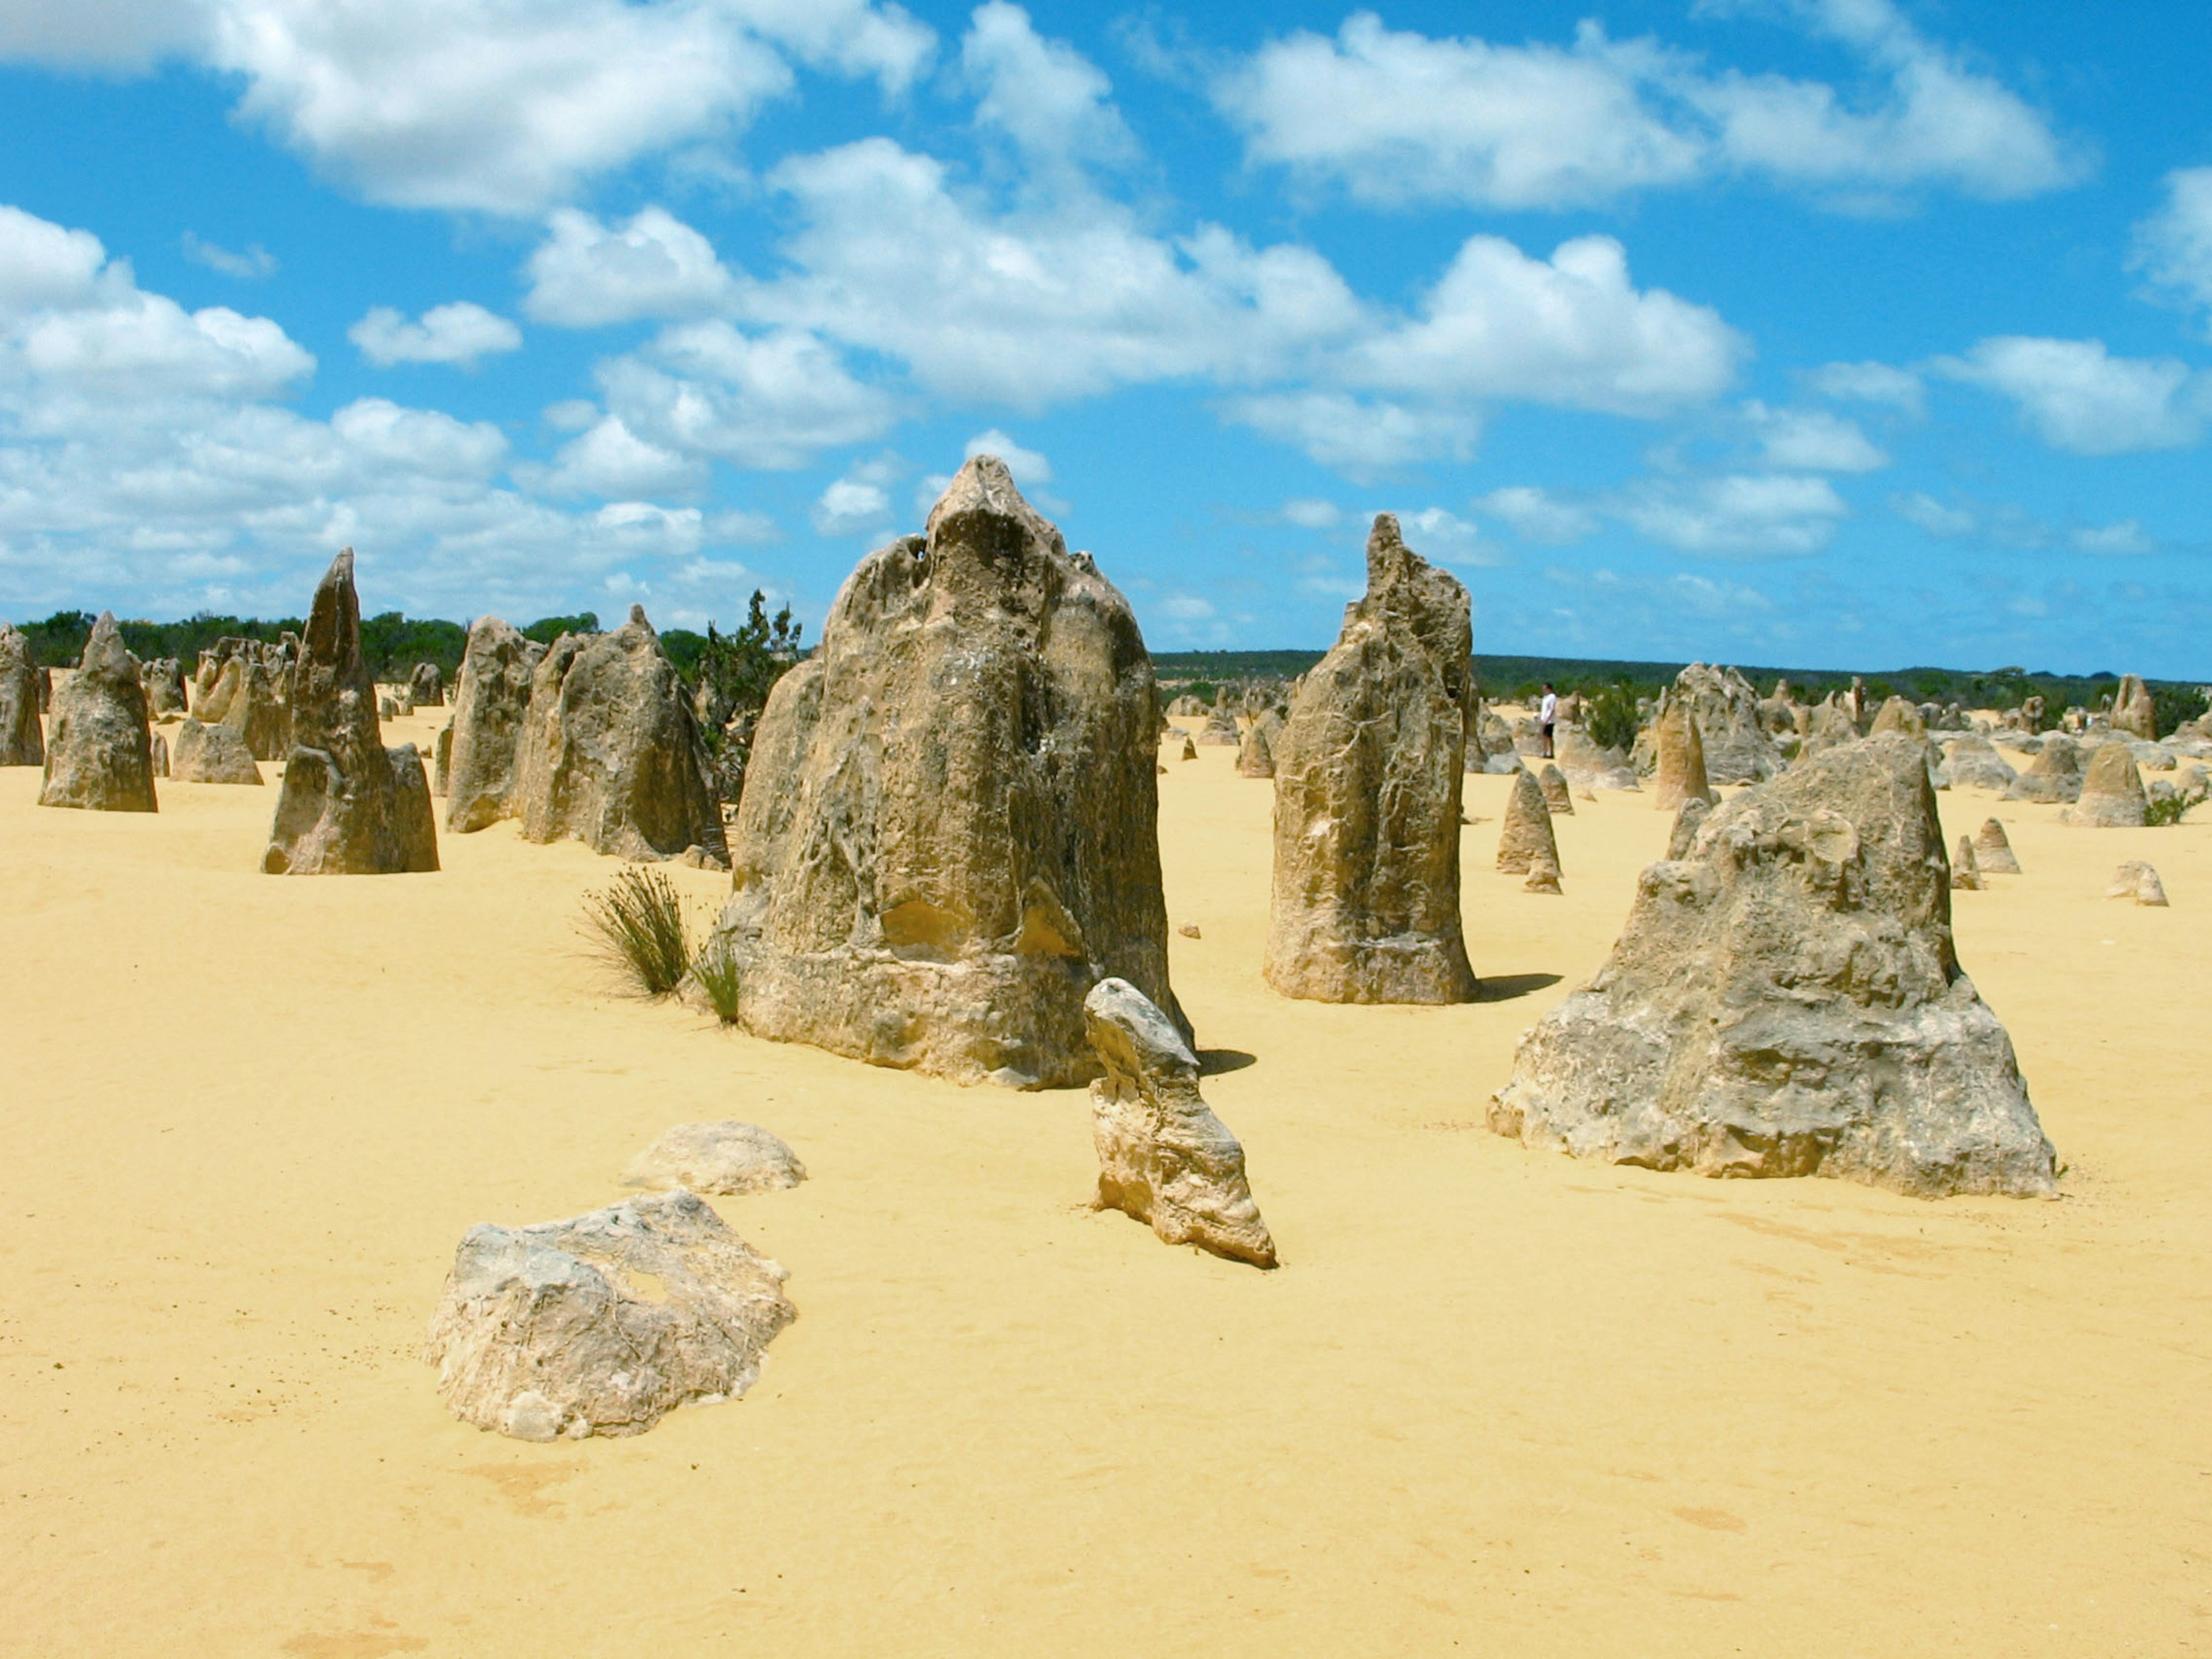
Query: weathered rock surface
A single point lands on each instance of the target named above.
(100, 754)
(491, 698)
(1189, 749)
(1680, 774)
(1828, 725)
(1221, 728)
(1543, 875)
(1526, 835)
(727, 1156)
(1589, 766)
(1366, 905)
(1966, 870)
(2113, 796)
(163, 679)
(22, 742)
(2056, 774)
(1993, 854)
(1736, 746)
(1556, 796)
(1786, 1001)
(158, 755)
(2138, 881)
(2133, 712)
(211, 754)
(346, 806)
(1164, 1157)
(426, 686)
(1974, 764)
(949, 831)
(254, 711)
(604, 1323)
(1896, 715)
(1256, 757)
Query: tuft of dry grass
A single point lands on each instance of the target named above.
(637, 920)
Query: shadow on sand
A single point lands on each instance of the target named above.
(1213, 1062)
(1504, 988)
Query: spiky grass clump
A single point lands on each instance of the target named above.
(716, 975)
(2170, 810)
(639, 923)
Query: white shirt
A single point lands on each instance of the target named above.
(1549, 710)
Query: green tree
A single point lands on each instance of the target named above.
(736, 671)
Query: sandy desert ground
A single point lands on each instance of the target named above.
(1495, 1401)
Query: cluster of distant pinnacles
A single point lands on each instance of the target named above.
(944, 857)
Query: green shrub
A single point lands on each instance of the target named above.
(1611, 720)
(715, 972)
(2172, 705)
(2168, 812)
(638, 922)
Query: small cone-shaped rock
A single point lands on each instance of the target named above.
(1164, 1157)
(490, 700)
(426, 686)
(1557, 797)
(2133, 711)
(2056, 774)
(1543, 875)
(2113, 794)
(1681, 773)
(1993, 854)
(1786, 1001)
(727, 1156)
(22, 741)
(2138, 881)
(547, 1331)
(1966, 870)
(1366, 905)
(1526, 834)
(1257, 758)
(1189, 749)
(1896, 715)
(100, 752)
(211, 754)
(346, 806)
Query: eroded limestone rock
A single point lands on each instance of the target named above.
(606, 1323)
(1966, 870)
(22, 742)
(1366, 905)
(1735, 746)
(1786, 999)
(1526, 835)
(726, 1157)
(100, 754)
(1993, 854)
(164, 681)
(2056, 774)
(2113, 796)
(1681, 773)
(426, 686)
(1591, 767)
(1256, 757)
(1556, 796)
(1974, 764)
(2138, 881)
(491, 697)
(211, 754)
(2133, 711)
(1164, 1157)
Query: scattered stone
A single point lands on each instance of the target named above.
(1526, 835)
(1896, 715)
(2056, 774)
(1543, 875)
(1725, 707)
(1189, 930)
(1786, 1001)
(1993, 854)
(2113, 796)
(1557, 797)
(949, 830)
(2133, 711)
(1965, 872)
(22, 743)
(426, 686)
(1164, 1157)
(100, 752)
(1974, 764)
(1256, 757)
(1590, 767)
(158, 752)
(491, 697)
(1682, 758)
(724, 1157)
(346, 806)
(1189, 749)
(211, 754)
(1366, 905)
(604, 1323)
(2136, 880)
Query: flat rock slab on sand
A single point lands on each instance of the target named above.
(722, 1157)
(604, 1323)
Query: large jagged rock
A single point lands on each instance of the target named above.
(347, 807)
(1786, 999)
(22, 742)
(1366, 905)
(1974, 764)
(1255, 758)
(255, 712)
(1896, 715)
(2133, 711)
(1737, 749)
(606, 1323)
(211, 754)
(610, 754)
(2112, 795)
(949, 830)
(2054, 776)
(100, 753)
(426, 686)
(1681, 754)
(1525, 838)
(1164, 1157)
(1829, 723)
(491, 699)
(163, 679)
(726, 1156)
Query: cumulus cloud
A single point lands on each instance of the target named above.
(587, 274)
(1310, 513)
(256, 262)
(126, 35)
(461, 334)
(1736, 514)
(1047, 98)
(1030, 468)
(1882, 384)
(1538, 515)
(2008, 525)
(851, 506)
(610, 461)
(1438, 533)
(2077, 396)
(1397, 118)
(1812, 440)
(1360, 438)
(2173, 247)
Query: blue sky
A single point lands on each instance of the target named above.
(1820, 332)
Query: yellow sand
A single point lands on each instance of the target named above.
(1495, 1401)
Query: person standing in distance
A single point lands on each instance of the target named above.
(1547, 715)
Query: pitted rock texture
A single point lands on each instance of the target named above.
(2112, 795)
(1526, 837)
(1896, 715)
(1966, 869)
(950, 827)
(1786, 999)
(1993, 854)
(1368, 775)
(1164, 1157)
(1974, 764)
(1556, 796)
(100, 752)
(211, 754)
(2138, 881)
(491, 697)
(2056, 774)
(346, 806)
(1736, 746)
(611, 753)
(426, 686)
(1256, 757)
(722, 1157)
(1681, 769)
(164, 680)
(22, 743)
(606, 1323)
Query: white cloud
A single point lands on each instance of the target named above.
(461, 334)
(1437, 534)
(1029, 468)
(1186, 608)
(611, 461)
(852, 506)
(2173, 247)
(1736, 514)
(256, 261)
(1045, 96)
(2125, 537)
(1947, 523)
(587, 274)
(1397, 118)
(2078, 397)
(1362, 440)
(1312, 513)
(2004, 524)
(1812, 440)
(1869, 383)
(1537, 515)
(43, 264)
(106, 34)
